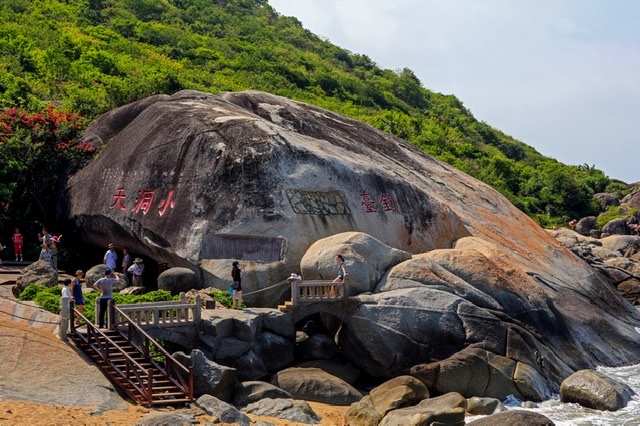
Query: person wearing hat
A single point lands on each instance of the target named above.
(111, 257)
(137, 270)
(105, 286)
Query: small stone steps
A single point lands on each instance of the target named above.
(288, 305)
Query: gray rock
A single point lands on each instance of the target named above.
(133, 290)
(483, 406)
(586, 225)
(448, 409)
(593, 389)
(616, 226)
(313, 384)
(362, 413)
(306, 174)
(211, 378)
(253, 391)
(289, 409)
(225, 413)
(167, 419)
(514, 418)
(39, 272)
(607, 199)
(346, 372)
(399, 392)
(366, 260)
(176, 280)
(275, 351)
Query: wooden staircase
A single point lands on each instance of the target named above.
(132, 369)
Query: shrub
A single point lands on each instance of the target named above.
(31, 292)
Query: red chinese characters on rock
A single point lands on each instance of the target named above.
(385, 202)
(144, 201)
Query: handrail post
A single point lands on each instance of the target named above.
(197, 310)
(64, 318)
(294, 290)
(110, 314)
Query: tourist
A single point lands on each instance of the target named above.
(236, 272)
(17, 244)
(54, 251)
(66, 291)
(136, 270)
(105, 286)
(342, 272)
(126, 264)
(76, 291)
(111, 257)
(572, 223)
(44, 237)
(45, 254)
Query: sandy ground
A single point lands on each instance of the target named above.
(35, 365)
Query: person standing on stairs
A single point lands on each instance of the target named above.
(105, 286)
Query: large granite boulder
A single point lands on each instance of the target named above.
(593, 389)
(39, 272)
(177, 280)
(514, 418)
(366, 260)
(199, 181)
(313, 384)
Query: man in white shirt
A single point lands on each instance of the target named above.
(111, 257)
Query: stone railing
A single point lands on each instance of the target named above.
(162, 314)
(309, 291)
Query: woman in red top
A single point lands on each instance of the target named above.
(17, 244)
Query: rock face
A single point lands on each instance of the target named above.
(198, 181)
(593, 389)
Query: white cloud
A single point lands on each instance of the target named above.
(563, 77)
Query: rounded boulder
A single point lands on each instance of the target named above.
(176, 280)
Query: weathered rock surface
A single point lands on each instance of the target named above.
(39, 272)
(256, 342)
(366, 260)
(224, 412)
(313, 384)
(253, 391)
(478, 406)
(177, 280)
(593, 389)
(514, 418)
(296, 411)
(198, 181)
(209, 377)
(448, 409)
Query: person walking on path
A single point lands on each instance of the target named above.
(17, 244)
(76, 291)
(136, 270)
(111, 257)
(105, 286)
(236, 272)
(342, 273)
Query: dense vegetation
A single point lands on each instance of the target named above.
(89, 56)
(48, 298)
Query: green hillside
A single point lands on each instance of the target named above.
(90, 56)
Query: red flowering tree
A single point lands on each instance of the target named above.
(36, 151)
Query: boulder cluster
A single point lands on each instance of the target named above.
(449, 282)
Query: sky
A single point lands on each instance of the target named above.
(562, 76)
